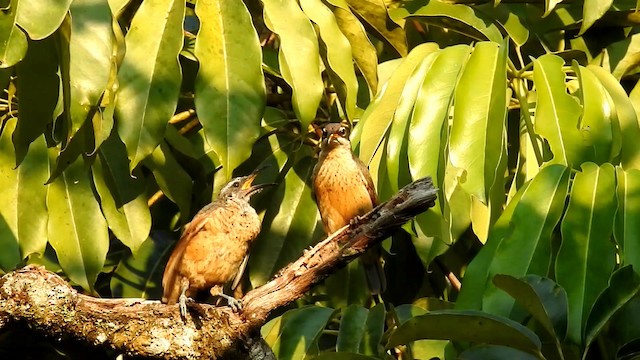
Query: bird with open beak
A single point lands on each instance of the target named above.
(214, 247)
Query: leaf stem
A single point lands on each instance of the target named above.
(520, 92)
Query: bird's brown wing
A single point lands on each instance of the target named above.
(368, 181)
(171, 276)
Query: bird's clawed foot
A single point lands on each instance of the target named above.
(354, 221)
(182, 301)
(234, 304)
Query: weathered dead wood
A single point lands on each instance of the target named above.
(46, 303)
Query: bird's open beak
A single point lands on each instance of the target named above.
(248, 186)
(334, 138)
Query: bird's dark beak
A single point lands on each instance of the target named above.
(248, 186)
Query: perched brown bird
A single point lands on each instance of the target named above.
(214, 246)
(344, 190)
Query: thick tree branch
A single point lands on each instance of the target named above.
(46, 303)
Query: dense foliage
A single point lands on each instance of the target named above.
(121, 118)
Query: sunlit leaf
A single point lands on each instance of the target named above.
(627, 227)
(557, 112)
(598, 119)
(89, 64)
(76, 229)
(13, 42)
(298, 56)
(362, 51)
(460, 17)
(374, 13)
(299, 331)
(587, 255)
(628, 128)
(537, 213)
(336, 52)
(592, 11)
(42, 20)
(230, 90)
(479, 119)
(149, 76)
(374, 123)
(495, 352)
(397, 158)
(23, 217)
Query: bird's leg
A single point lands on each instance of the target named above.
(235, 304)
(182, 300)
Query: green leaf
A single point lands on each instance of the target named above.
(149, 76)
(76, 229)
(347, 286)
(141, 276)
(627, 227)
(286, 231)
(298, 56)
(374, 13)
(427, 134)
(495, 352)
(542, 298)
(397, 158)
(476, 277)
(90, 48)
(42, 20)
(508, 18)
(336, 53)
(459, 17)
(479, 119)
(549, 5)
(592, 11)
(598, 117)
(230, 91)
(172, 179)
(586, 256)
(352, 328)
(374, 123)
(122, 197)
(536, 214)
(420, 349)
(623, 286)
(23, 216)
(362, 50)
(557, 112)
(13, 42)
(628, 128)
(370, 344)
(299, 331)
(38, 84)
(472, 326)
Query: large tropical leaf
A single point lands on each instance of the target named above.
(42, 20)
(77, 229)
(23, 217)
(90, 45)
(587, 255)
(230, 90)
(537, 213)
(13, 42)
(298, 55)
(627, 228)
(479, 119)
(149, 76)
(557, 112)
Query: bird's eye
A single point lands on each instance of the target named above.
(236, 184)
(343, 131)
